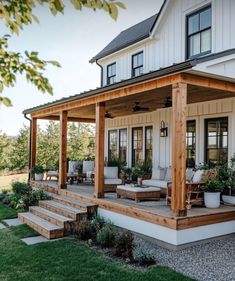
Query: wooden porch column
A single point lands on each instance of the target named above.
(63, 150)
(33, 144)
(99, 150)
(179, 103)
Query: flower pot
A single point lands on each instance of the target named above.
(139, 181)
(228, 199)
(38, 177)
(212, 199)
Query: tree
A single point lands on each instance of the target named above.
(17, 14)
(6, 147)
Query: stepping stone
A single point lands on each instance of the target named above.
(2, 226)
(13, 222)
(34, 240)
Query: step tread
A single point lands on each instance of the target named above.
(40, 222)
(64, 207)
(72, 200)
(52, 214)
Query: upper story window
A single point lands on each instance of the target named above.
(137, 64)
(111, 73)
(199, 32)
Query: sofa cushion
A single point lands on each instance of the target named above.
(197, 177)
(168, 175)
(155, 183)
(159, 173)
(73, 165)
(113, 181)
(110, 172)
(189, 174)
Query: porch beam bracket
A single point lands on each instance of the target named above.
(99, 150)
(63, 150)
(179, 103)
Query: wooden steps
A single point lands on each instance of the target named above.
(42, 226)
(55, 218)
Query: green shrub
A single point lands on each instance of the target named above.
(97, 223)
(124, 245)
(84, 231)
(144, 258)
(106, 237)
(20, 188)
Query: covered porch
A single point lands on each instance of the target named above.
(150, 90)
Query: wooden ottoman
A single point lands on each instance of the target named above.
(138, 193)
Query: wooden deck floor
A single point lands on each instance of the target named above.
(151, 211)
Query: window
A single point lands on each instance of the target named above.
(112, 144)
(137, 64)
(191, 144)
(122, 144)
(148, 145)
(199, 33)
(137, 145)
(111, 73)
(216, 134)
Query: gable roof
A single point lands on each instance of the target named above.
(128, 37)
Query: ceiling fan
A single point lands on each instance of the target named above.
(108, 115)
(166, 103)
(138, 108)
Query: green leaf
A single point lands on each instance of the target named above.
(55, 63)
(120, 5)
(6, 101)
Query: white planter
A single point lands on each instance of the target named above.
(139, 181)
(228, 199)
(38, 177)
(212, 199)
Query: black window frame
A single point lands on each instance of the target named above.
(133, 69)
(198, 11)
(190, 161)
(133, 160)
(119, 144)
(206, 139)
(148, 161)
(109, 150)
(109, 78)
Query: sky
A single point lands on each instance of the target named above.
(72, 39)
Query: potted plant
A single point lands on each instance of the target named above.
(212, 190)
(140, 171)
(227, 174)
(38, 172)
(128, 173)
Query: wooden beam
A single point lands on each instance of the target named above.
(63, 150)
(99, 150)
(110, 95)
(208, 82)
(179, 103)
(33, 144)
(70, 119)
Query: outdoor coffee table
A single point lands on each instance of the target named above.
(138, 193)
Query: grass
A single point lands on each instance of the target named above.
(65, 260)
(7, 213)
(6, 181)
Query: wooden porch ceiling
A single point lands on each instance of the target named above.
(150, 94)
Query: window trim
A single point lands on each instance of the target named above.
(109, 77)
(199, 10)
(132, 63)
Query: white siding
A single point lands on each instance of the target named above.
(162, 146)
(167, 45)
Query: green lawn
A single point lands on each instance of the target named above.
(66, 260)
(6, 181)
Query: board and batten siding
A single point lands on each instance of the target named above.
(167, 44)
(162, 146)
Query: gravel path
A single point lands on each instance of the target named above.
(212, 261)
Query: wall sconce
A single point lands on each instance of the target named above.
(163, 130)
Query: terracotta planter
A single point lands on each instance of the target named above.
(212, 199)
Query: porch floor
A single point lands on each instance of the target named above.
(152, 211)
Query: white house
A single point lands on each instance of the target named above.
(167, 97)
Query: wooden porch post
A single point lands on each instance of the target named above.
(179, 103)
(63, 150)
(33, 143)
(99, 150)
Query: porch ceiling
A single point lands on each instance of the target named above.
(152, 99)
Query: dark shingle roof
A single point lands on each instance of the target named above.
(128, 37)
